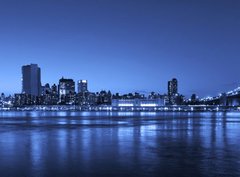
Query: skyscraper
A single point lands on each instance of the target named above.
(173, 87)
(173, 95)
(82, 86)
(66, 90)
(66, 86)
(31, 80)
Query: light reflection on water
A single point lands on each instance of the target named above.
(119, 144)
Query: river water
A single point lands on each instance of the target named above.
(119, 144)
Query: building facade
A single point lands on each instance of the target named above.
(82, 86)
(138, 102)
(31, 80)
(66, 90)
(173, 87)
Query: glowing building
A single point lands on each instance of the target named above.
(66, 90)
(138, 102)
(173, 87)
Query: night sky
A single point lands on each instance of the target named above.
(123, 45)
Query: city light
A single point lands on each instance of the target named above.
(125, 104)
(148, 105)
(36, 96)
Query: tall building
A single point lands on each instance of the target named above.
(174, 98)
(82, 86)
(173, 87)
(31, 80)
(66, 90)
(66, 86)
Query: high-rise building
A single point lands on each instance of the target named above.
(66, 86)
(173, 87)
(173, 96)
(66, 90)
(82, 86)
(31, 80)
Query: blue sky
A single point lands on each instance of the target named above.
(124, 46)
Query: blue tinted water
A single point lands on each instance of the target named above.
(119, 144)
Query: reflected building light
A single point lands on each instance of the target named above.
(148, 113)
(85, 113)
(34, 114)
(61, 114)
(36, 151)
(125, 114)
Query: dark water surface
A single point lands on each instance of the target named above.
(119, 144)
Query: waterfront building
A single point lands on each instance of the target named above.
(138, 102)
(86, 99)
(128, 96)
(31, 80)
(54, 94)
(82, 86)
(173, 95)
(24, 100)
(173, 87)
(66, 86)
(104, 98)
(66, 91)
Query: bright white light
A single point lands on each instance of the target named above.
(84, 81)
(125, 104)
(148, 104)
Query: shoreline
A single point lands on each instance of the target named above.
(106, 108)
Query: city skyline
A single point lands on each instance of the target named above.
(66, 93)
(123, 46)
(81, 85)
